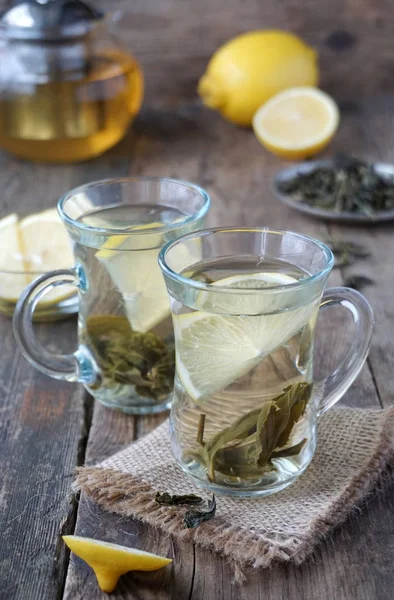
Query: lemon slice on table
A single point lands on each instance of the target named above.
(13, 279)
(213, 350)
(46, 247)
(110, 561)
(296, 123)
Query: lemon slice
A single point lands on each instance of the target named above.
(46, 247)
(213, 350)
(296, 123)
(110, 561)
(13, 280)
(134, 270)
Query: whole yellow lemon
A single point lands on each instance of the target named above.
(251, 68)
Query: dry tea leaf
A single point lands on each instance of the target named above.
(176, 499)
(349, 185)
(194, 517)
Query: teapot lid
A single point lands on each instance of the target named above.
(48, 19)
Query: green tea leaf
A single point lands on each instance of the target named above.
(291, 451)
(298, 398)
(245, 448)
(357, 282)
(129, 357)
(349, 185)
(176, 499)
(194, 517)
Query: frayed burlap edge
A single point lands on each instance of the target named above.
(129, 497)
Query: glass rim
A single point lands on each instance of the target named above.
(115, 231)
(166, 270)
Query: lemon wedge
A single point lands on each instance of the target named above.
(110, 561)
(296, 123)
(213, 350)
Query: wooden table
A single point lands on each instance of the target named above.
(47, 427)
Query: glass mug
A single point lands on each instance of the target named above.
(245, 407)
(125, 356)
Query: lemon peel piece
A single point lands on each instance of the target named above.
(110, 561)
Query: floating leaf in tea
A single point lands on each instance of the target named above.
(194, 517)
(128, 357)
(246, 448)
(348, 186)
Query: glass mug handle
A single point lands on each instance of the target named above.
(332, 388)
(79, 366)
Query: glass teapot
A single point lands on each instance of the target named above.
(68, 89)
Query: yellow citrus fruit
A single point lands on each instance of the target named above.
(251, 68)
(34, 245)
(110, 561)
(297, 123)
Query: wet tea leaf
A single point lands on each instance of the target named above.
(291, 451)
(245, 448)
(129, 357)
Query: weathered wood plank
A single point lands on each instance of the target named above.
(42, 428)
(43, 425)
(174, 136)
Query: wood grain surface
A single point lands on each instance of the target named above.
(47, 428)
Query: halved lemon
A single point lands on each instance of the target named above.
(110, 561)
(296, 123)
(213, 350)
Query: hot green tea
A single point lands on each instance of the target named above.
(128, 329)
(243, 390)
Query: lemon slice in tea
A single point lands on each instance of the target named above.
(131, 262)
(213, 350)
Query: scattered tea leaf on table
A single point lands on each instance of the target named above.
(357, 282)
(177, 500)
(346, 252)
(194, 517)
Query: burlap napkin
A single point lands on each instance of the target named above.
(354, 447)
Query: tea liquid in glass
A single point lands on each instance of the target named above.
(242, 401)
(128, 329)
